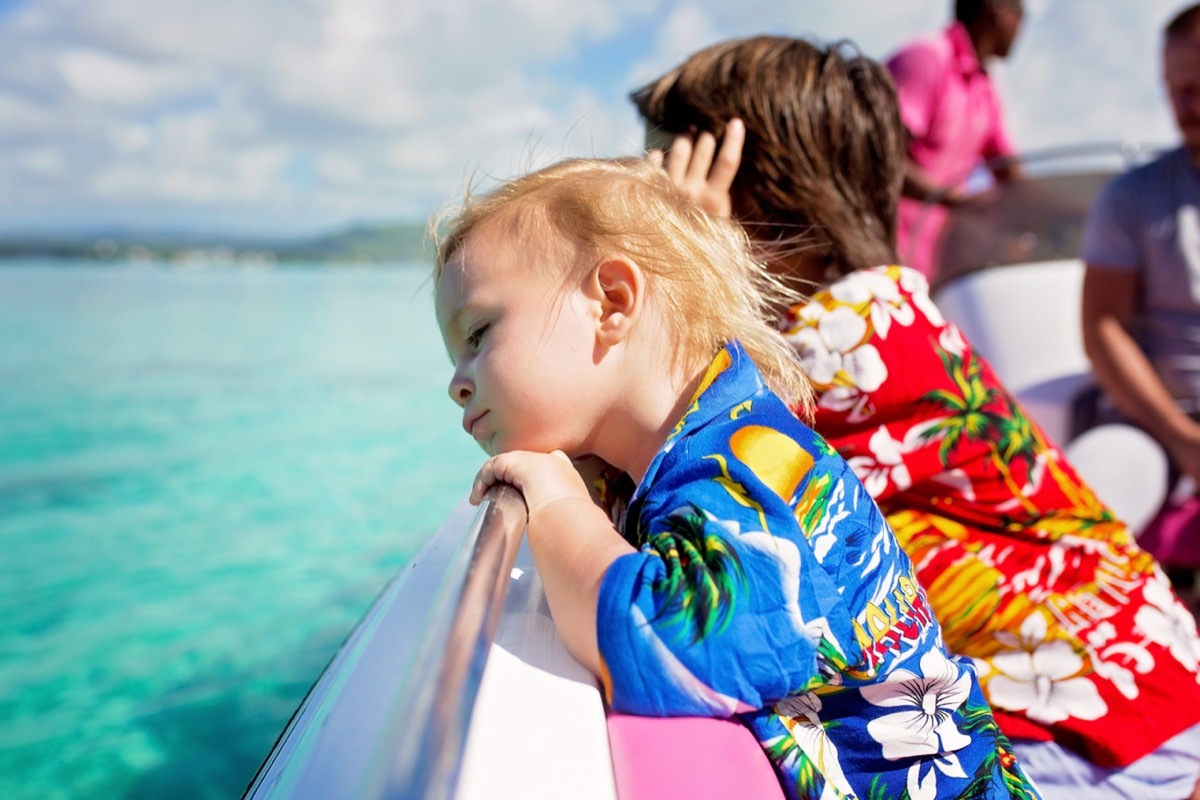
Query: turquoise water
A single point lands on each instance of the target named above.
(205, 478)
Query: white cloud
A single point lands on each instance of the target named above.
(21, 117)
(105, 78)
(338, 168)
(42, 161)
(293, 113)
(128, 138)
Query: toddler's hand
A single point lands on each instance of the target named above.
(542, 478)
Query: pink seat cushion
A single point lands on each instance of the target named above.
(693, 757)
(1173, 537)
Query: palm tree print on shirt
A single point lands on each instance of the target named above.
(703, 575)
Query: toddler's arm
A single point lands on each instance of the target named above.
(572, 540)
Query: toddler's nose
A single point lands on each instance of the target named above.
(460, 390)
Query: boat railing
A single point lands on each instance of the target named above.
(388, 717)
(1037, 219)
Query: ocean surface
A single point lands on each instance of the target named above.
(206, 476)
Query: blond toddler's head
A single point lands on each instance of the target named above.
(700, 271)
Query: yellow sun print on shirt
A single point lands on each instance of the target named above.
(776, 458)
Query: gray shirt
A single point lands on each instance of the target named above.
(1148, 220)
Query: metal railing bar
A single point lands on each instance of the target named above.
(429, 756)
(388, 716)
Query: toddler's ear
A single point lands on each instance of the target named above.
(620, 286)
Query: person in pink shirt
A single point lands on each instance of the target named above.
(954, 119)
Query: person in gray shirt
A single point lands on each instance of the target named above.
(1141, 289)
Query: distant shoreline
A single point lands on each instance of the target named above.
(384, 244)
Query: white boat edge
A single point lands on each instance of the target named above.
(538, 729)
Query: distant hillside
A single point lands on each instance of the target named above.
(402, 242)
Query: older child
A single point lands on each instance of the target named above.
(590, 309)
(1089, 662)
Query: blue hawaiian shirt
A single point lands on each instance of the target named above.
(768, 586)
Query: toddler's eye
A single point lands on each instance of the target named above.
(475, 337)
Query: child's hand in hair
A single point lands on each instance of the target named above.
(703, 172)
(542, 478)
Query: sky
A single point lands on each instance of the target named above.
(290, 117)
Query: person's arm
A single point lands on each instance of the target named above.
(918, 186)
(572, 541)
(1124, 371)
(725, 607)
(1006, 168)
(999, 151)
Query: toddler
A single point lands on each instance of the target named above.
(590, 309)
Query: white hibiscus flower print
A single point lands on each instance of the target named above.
(920, 716)
(848, 399)
(925, 788)
(1042, 677)
(887, 304)
(958, 481)
(1165, 621)
(916, 285)
(801, 716)
(865, 286)
(951, 340)
(885, 465)
(833, 351)
(1102, 634)
(1123, 678)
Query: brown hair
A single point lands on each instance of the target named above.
(1184, 23)
(699, 269)
(970, 12)
(823, 161)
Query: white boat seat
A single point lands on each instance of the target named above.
(1051, 402)
(1126, 469)
(1023, 319)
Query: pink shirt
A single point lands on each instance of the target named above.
(953, 114)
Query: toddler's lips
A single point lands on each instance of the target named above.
(469, 424)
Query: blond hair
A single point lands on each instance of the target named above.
(699, 269)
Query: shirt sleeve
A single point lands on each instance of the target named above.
(918, 73)
(999, 143)
(1109, 235)
(710, 617)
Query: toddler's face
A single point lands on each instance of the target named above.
(521, 343)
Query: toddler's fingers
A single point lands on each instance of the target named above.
(488, 475)
(655, 157)
(478, 487)
(503, 468)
